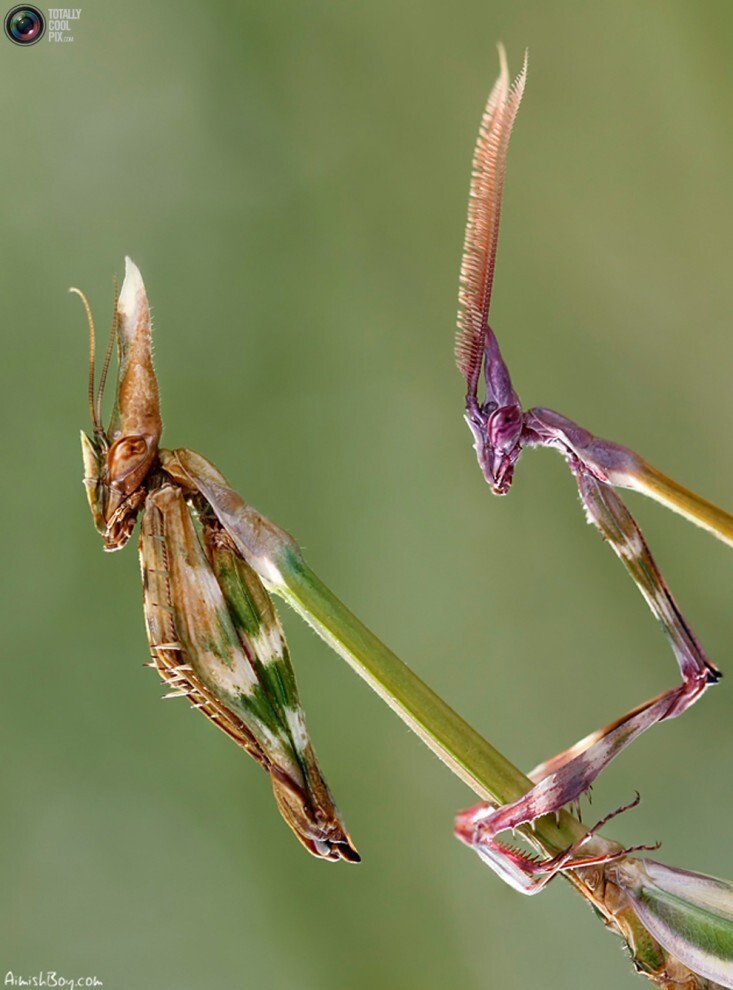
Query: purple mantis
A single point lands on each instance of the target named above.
(501, 428)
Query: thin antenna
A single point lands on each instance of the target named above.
(96, 423)
(108, 352)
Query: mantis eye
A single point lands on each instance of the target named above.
(504, 426)
(128, 462)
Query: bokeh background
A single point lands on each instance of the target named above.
(292, 179)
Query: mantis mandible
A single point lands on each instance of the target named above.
(214, 635)
(501, 429)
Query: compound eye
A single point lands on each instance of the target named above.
(124, 460)
(131, 446)
(505, 425)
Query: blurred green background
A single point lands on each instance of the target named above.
(292, 179)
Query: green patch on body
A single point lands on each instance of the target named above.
(257, 624)
(706, 930)
(279, 678)
(250, 609)
(255, 619)
(257, 706)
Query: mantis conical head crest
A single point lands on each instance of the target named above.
(117, 460)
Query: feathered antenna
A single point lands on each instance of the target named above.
(482, 228)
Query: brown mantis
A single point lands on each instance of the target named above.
(501, 428)
(214, 635)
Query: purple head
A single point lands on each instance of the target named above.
(497, 423)
(497, 432)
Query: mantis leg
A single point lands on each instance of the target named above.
(564, 778)
(596, 465)
(606, 511)
(575, 770)
(622, 468)
(528, 874)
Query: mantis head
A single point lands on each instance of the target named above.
(118, 460)
(497, 434)
(498, 422)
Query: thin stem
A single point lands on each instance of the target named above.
(486, 771)
(649, 481)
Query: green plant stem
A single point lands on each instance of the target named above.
(670, 493)
(486, 771)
